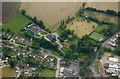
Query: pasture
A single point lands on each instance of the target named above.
(96, 36)
(102, 17)
(99, 28)
(48, 73)
(17, 23)
(81, 27)
(51, 13)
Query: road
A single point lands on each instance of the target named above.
(103, 45)
(58, 59)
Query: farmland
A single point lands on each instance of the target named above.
(17, 23)
(48, 73)
(51, 13)
(9, 9)
(81, 27)
(102, 17)
(103, 5)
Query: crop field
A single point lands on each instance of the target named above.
(103, 5)
(81, 27)
(48, 73)
(17, 23)
(96, 36)
(102, 17)
(9, 9)
(51, 13)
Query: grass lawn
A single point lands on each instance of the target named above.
(101, 27)
(96, 36)
(17, 23)
(96, 67)
(56, 54)
(48, 73)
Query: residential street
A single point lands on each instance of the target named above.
(103, 45)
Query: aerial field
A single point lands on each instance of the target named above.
(102, 17)
(17, 23)
(9, 9)
(81, 27)
(48, 73)
(96, 36)
(51, 13)
(104, 5)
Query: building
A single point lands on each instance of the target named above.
(34, 30)
(50, 37)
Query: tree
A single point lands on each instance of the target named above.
(23, 12)
(75, 55)
(8, 30)
(12, 64)
(69, 36)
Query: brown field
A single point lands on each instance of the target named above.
(103, 5)
(8, 11)
(51, 13)
(102, 17)
(81, 27)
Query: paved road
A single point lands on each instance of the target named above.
(103, 45)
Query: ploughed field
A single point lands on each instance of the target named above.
(9, 9)
(51, 13)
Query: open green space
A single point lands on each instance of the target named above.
(96, 67)
(17, 23)
(8, 72)
(56, 54)
(99, 28)
(48, 73)
(96, 36)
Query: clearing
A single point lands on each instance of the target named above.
(96, 36)
(48, 73)
(17, 23)
(81, 27)
(51, 13)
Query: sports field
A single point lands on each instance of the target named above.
(48, 73)
(96, 36)
(17, 23)
(81, 27)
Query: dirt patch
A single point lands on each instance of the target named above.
(103, 5)
(51, 13)
(9, 9)
(81, 27)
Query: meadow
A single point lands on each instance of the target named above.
(17, 23)
(81, 27)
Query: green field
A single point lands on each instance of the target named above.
(96, 36)
(56, 54)
(48, 73)
(96, 67)
(99, 28)
(17, 23)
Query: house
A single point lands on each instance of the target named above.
(50, 37)
(34, 30)
(65, 44)
(112, 59)
(95, 49)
